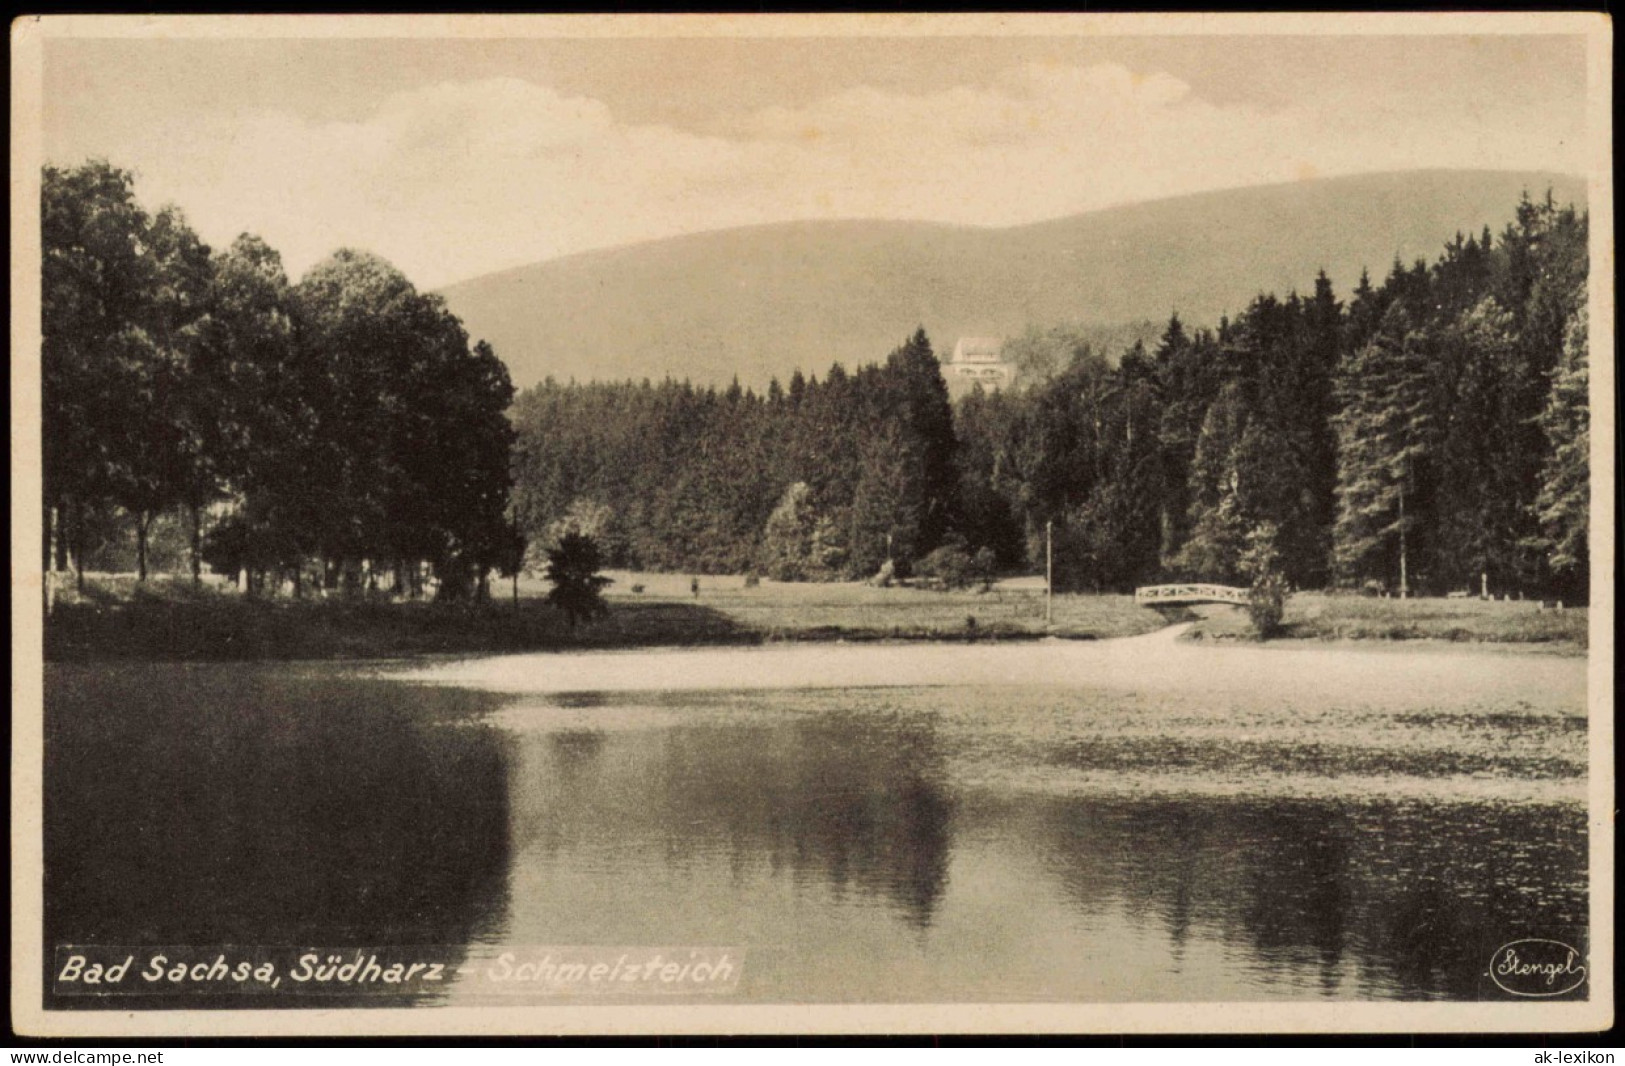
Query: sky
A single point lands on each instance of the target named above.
(456, 158)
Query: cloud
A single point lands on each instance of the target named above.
(457, 179)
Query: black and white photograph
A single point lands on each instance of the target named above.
(767, 524)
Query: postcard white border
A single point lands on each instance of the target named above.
(27, 40)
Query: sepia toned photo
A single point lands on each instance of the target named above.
(812, 524)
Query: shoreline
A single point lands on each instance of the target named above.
(1174, 635)
(1144, 664)
(169, 621)
(1552, 648)
(1197, 635)
(434, 650)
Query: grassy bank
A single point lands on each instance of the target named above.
(168, 619)
(1323, 617)
(853, 611)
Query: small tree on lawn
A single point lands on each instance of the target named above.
(577, 585)
(949, 566)
(1266, 596)
(787, 540)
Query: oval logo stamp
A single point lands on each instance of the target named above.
(1537, 967)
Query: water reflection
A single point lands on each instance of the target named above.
(857, 808)
(817, 814)
(859, 844)
(1373, 899)
(220, 807)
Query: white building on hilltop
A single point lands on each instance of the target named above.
(978, 361)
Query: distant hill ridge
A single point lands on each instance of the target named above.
(762, 301)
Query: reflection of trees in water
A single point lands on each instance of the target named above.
(1294, 902)
(218, 807)
(1419, 896)
(1496, 873)
(581, 699)
(865, 807)
(850, 801)
(577, 748)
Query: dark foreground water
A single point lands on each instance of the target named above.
(1045, 823)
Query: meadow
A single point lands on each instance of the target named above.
(167, 618)
(1324, 616)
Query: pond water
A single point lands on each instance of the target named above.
(1131, 820)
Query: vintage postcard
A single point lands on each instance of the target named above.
(812, 524)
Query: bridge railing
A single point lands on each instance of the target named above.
(1189, 592)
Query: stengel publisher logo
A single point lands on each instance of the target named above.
(1537, 968)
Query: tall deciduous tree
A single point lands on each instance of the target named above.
(95, 272)
(266, 429)
(410, 440)
(123, 292)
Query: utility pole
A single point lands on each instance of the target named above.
(1404, 587)
(1049, 573)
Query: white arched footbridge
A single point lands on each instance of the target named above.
(1187, 594)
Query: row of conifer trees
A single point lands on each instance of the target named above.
(1427, 434)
